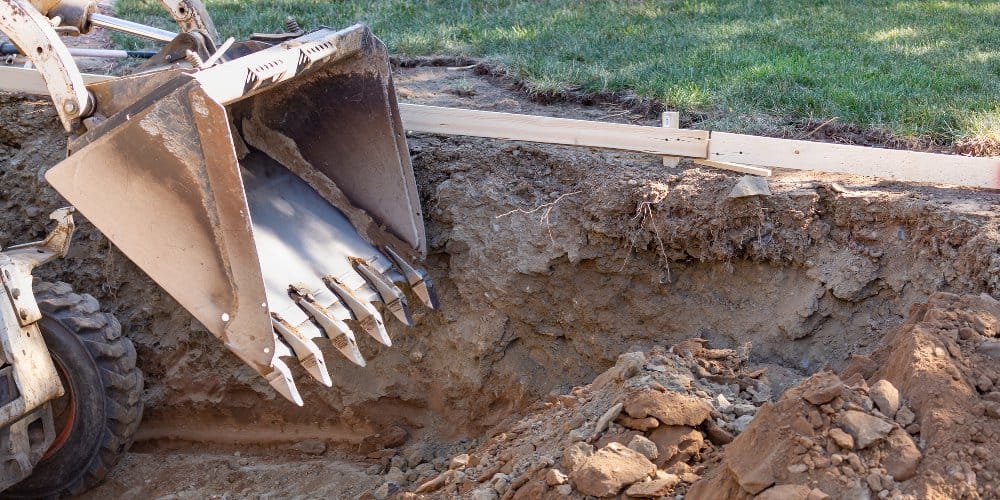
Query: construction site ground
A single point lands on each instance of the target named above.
(609, 326)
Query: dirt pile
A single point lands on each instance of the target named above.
(919, 419)
(649, 426)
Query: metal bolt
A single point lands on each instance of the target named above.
(16, 293)
(70, 107)
(23, 313)
(291, 25)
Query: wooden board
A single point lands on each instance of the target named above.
(29, 81)
(735, 167)
(859, 160)
(654, 140)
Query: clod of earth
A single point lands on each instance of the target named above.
(669, 408)
(611, 469)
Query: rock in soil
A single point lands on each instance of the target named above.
(610, 469)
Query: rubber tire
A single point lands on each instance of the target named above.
(106, 385)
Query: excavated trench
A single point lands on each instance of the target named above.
(551, 262)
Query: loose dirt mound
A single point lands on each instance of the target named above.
(923, 425)
(551, 262)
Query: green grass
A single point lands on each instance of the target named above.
(928, 69)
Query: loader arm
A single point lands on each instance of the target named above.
(34, 34)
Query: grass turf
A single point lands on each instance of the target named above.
(918, 69)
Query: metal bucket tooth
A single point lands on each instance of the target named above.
(391, 295)
(418, 279)
(366, 315)
(280, 376)
(309, 354)
(337, 331)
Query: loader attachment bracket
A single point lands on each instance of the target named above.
(28, 377)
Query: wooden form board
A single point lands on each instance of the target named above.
(29, 81)
(859, 160)
(721, 148)
(654, 140)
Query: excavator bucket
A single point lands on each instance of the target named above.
(270, 194)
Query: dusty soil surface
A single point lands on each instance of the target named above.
(551, 262)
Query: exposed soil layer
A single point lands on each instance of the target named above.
(550, 262)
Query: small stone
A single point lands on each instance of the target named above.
(567, 400)
(841, 438)
(885, 396)
(984, 383)
(310, 447)
(501, 483)
(750, 185)
(939, 352)
(721, 402)
(555, 477)
(394, 475)
(822, 388)
(644, 446)
(484, 494)
(740, 424)
(798, 468)
(459, 461)
(640, 424)
(874, 481)
(717, 435)
(865, 428)
(742, 409)
(574, 455)
(656, 488)
(903, 458)
(905, 416)
(993, 409)
(564, 490)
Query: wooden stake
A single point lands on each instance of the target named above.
(671, 119)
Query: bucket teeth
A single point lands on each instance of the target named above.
(417, 278)
(280, 377)
(337, 331)
(365, 314)
(391, 295)
(309, 354)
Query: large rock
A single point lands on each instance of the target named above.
(865, 428)
(610, 469)
(670, 408)
(822, 388)
(675, 443)
(885, 396)
(903, 458)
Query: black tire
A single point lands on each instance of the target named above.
(104, 408)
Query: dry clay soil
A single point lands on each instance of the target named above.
(552, 262)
